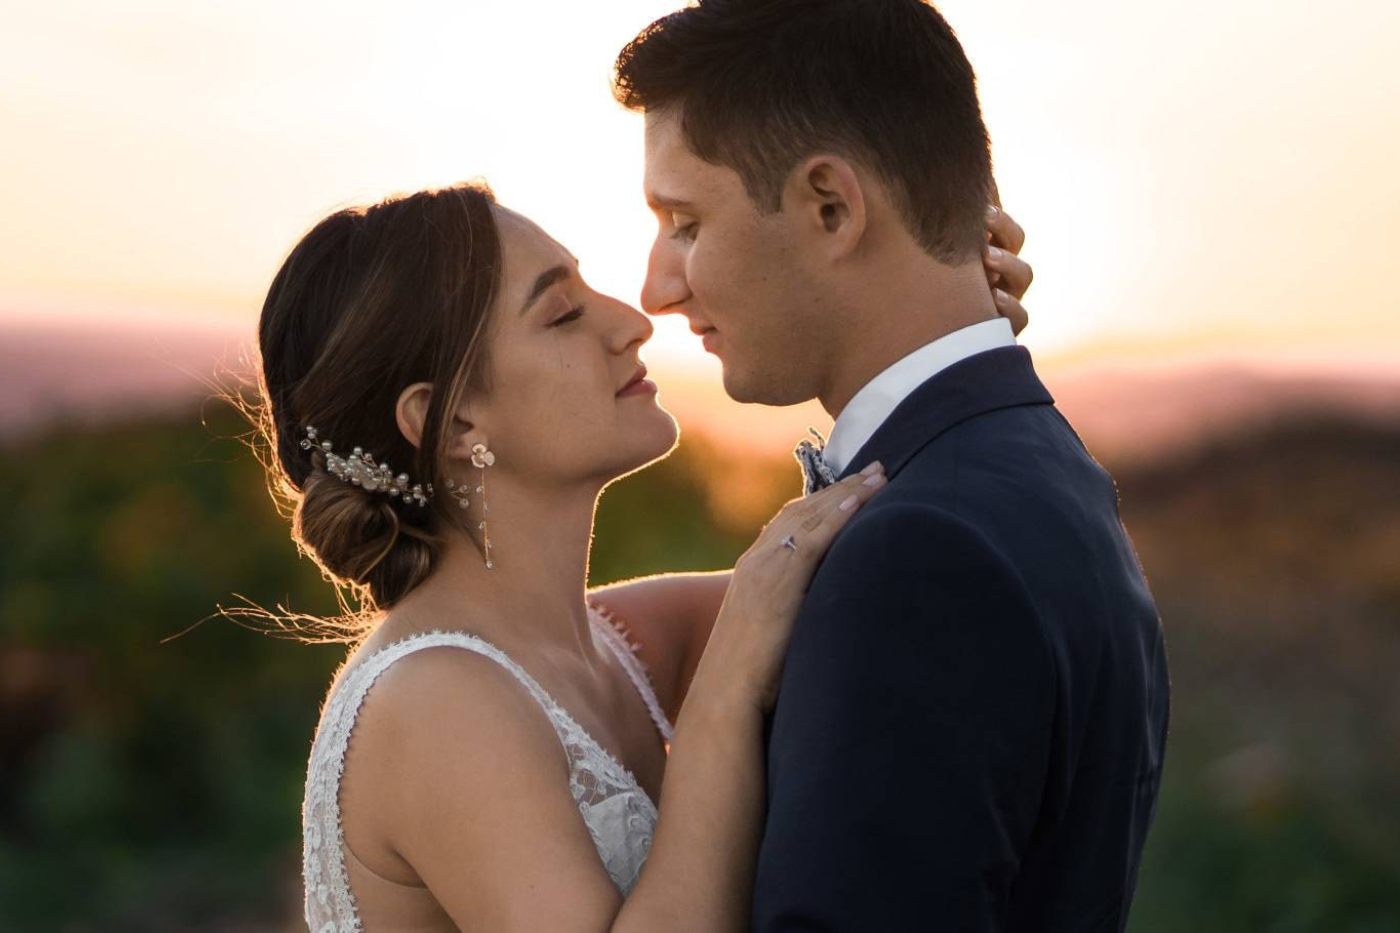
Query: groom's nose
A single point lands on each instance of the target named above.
(665, 288)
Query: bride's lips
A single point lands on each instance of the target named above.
(639, 384)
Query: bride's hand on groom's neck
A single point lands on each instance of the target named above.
(1007, 273)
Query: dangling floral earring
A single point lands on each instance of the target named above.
(483, 458)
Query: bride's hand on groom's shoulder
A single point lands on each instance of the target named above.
(1007, 273)
(744, 657)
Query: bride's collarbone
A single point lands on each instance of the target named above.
(605, 704)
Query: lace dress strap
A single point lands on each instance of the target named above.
(626, 652)
(329, 903)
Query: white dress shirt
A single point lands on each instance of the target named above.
(879, 397)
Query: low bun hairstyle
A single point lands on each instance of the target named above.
(370, 301)
(358, 537)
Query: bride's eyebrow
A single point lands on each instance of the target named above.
(548, 278)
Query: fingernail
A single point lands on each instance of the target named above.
(848, 503)
(872, 468)
(994, 253)
(992, 210)
(1002, 297)
(875, 480)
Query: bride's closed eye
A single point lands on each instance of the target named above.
(573, 315)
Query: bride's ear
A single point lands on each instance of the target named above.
(463, 433)
(411, 413)
(412, 409)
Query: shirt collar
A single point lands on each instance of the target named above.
(869, 407)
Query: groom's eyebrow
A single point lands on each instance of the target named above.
(549, 277)
(659, 202)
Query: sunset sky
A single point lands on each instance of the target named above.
(1196, 178)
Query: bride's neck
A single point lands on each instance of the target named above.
(534, 592)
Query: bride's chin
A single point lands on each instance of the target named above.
(651, 443)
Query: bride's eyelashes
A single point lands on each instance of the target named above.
(573, 315)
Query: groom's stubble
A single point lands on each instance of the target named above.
(740, 275)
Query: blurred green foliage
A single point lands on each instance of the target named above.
(150, 783)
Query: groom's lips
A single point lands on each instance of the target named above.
(709, 335)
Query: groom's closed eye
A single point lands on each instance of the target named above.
(684, 229)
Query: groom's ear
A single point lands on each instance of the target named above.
(828, 194)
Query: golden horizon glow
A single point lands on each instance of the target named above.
(1194, 179)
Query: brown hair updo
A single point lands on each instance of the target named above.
(372, 300)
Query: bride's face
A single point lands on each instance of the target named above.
(559, 407)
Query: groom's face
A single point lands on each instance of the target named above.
(735, 273)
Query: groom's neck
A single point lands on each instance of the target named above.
(897, 308)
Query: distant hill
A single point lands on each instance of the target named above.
(1136, 417)
(87, 372)
(1270, 536)
(1125, 415)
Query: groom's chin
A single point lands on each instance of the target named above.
(752, 388)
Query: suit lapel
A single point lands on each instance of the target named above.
(986, 382)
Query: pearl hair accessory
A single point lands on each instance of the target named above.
(458, 492)
(360, 469)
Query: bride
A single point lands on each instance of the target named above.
(445, 399)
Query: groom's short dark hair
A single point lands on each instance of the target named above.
(760, 84)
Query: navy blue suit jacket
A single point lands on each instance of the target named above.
(972, 718)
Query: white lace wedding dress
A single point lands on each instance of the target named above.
(617, 811)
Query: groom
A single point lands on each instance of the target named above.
(973, 713)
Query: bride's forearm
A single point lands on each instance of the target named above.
(671, 616)
(699, 874)
(691, 596)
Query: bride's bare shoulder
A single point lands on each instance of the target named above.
(440, 693)
(453, 771)
(439, 723)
